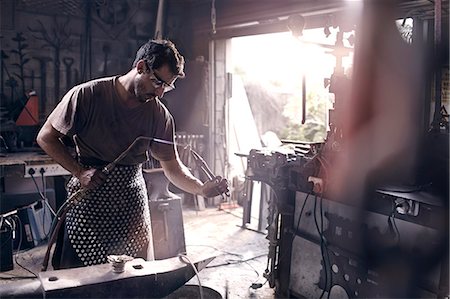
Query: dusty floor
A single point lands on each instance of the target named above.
(241, 254)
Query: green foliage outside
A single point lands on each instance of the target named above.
(314, 128)
(282, 113)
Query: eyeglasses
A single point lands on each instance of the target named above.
(158, 82)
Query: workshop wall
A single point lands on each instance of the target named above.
(49, 46)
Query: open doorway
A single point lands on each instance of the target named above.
(279, 93)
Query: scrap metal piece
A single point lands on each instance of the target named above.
(118, 262)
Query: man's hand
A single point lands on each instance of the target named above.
(215, 187)
(91, 178)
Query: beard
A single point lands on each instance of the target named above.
(141, 93)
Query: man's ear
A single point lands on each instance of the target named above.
(141, 66)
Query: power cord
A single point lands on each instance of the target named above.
(18, 248)
(44, 190)
(301, 212)
(323, 245)
(232, 262)
(8, 224)
(215, 248)
(392, 223)
(185, 259)
(31, 172)
(326, 247)
(258, 285)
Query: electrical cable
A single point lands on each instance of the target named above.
(215, 248)
(321, 247)
(254, 285)
(301, 212)
(238, 216)
(184, 258)
(44, 188)
(258, 285)
(35, 184)
(248, 264)
(16, 277)
(44, 200)
(44, 183)
(281, 258)
(392, 223)
(326, 248)
(323, 244)
(299, 217)
(42, 195)
(18, 248)
(396, 228)
(10, 226)
(232, 262)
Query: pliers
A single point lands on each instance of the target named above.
(200, 162)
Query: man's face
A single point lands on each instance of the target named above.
(150, 84)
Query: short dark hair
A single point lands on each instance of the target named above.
(160, 52)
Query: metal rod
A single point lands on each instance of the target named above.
(159, 20)
(437, 63)
(303, 99)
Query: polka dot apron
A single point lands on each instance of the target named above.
(111, 219)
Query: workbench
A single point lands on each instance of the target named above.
(18, 189)
(14, 164)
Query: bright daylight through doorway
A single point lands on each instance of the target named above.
(271, 68)
(269, 72)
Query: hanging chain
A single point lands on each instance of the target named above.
(213, 16)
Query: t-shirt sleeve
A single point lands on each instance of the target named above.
(65, 117)
(161, 149)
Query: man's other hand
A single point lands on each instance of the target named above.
(215, 187)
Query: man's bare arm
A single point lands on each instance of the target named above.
(49, 139)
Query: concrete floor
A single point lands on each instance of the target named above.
(241, 254)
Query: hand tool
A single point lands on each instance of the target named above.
(205, 168)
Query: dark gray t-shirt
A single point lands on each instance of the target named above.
(105, 127)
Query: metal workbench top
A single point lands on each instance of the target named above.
(13, 164)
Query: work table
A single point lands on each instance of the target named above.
(13, 164)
